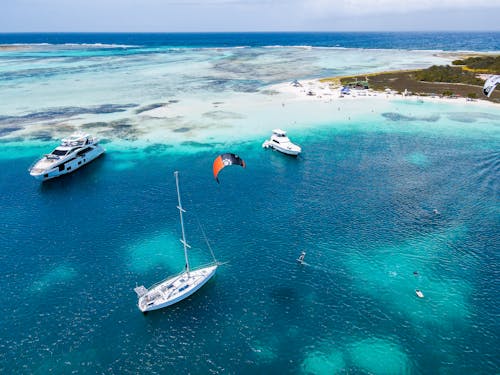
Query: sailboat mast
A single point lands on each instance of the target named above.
(181, 210)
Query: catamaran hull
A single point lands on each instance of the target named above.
(206, 274)
(69, 166)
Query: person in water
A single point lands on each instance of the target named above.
(301, 257)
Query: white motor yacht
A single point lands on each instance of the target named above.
(74, 152)
(279, 141)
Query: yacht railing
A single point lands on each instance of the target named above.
(31, 167)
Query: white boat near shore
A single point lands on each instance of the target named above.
(280, 142)
(73, 152)
(178, 287)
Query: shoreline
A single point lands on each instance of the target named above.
(200, 125)
(401, 81)
(232, 116)
(223, 120)
(331, 87)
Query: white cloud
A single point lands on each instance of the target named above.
(248, 15)
(366, 7)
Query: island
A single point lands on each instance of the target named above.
(465, 78)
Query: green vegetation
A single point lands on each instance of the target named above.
(485, 64)
(449, 74)
(454, 81)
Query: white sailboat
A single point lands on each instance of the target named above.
(181, 286)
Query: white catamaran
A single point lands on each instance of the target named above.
(181, 286)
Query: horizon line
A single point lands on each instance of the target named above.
(250, 32)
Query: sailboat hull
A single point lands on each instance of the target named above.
(175, 289)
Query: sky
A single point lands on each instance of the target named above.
(248, 15)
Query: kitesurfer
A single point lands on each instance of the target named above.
(490, 85)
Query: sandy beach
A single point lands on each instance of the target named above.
(247, 116)
(293, 107)
(212, 96)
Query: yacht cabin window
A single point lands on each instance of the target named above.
(59, 152)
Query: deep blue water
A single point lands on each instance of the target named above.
(361, 205)
(370, 207)
(448, 41)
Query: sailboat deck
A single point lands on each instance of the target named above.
(175, 288)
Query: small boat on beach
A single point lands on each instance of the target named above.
(280, 142)
(180, 286)
(73, 152)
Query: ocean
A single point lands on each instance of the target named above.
(446, 41)
(388, 196)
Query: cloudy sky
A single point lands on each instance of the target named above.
(248, 15)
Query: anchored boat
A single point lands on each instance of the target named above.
(73, 152)
(280, 142)
(178, 287)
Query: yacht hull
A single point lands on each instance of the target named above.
(287, 151)
(175, 289)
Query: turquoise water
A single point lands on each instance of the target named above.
(359, 204)
(387, 197)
